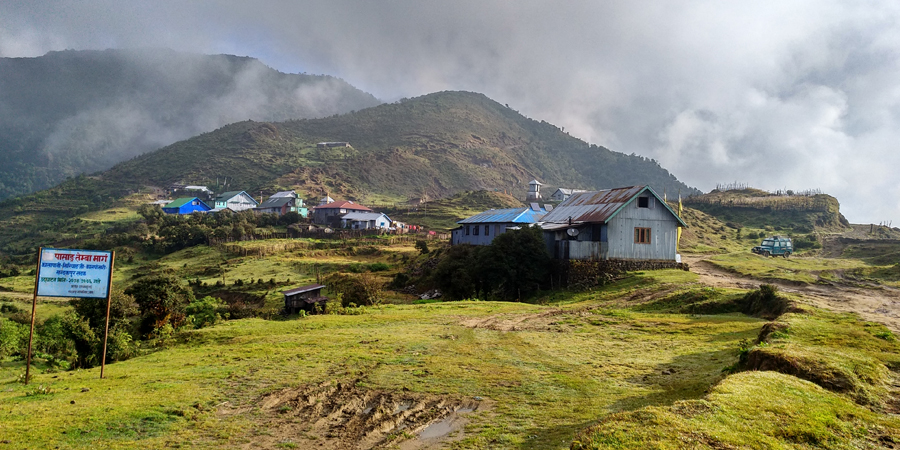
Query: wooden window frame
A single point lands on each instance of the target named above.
(642, 235)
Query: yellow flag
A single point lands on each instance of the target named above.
(680, 210)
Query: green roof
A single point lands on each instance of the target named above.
(179, 202)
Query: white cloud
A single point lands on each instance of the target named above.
(716, 91)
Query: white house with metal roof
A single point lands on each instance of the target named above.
(365, 220)
(235, 201)
(482, 228)
(631, 223)
(563, 194)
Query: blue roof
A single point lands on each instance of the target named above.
(510, 215)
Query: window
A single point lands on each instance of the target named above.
(487, 230)
(476, 230)
(467, 230)
(643, 202)
(641, 235)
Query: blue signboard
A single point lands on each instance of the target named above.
(74, 273)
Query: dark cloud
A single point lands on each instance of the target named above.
(779, 94)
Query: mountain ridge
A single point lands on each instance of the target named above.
(72, 112)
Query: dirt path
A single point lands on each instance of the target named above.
(877, 303)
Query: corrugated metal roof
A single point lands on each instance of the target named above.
(179, 202)
(592, 206)
(343, 204)
(509, 215)
(302, 289)
(364, 216)
(275, 202)
(228, 195)
(598, 206)
(290, 194)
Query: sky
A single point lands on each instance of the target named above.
(792, 95)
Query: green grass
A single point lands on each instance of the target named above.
(547, 382)
(798, 269)
(748, 410)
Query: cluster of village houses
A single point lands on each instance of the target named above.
(328, 212)
(630, 223)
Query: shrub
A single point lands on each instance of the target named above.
(422, 247)
(362, 290)
(204, 312)
(161, 300)
(13, 337)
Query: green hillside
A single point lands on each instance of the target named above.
(438, 144)
(73, 112)
(434, 146)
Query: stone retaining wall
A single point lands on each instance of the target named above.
(585, 274)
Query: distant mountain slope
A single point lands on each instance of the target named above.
(73, 112)
(434, 146)
(438, 144)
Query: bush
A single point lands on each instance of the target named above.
(422, 247)
(360, 290)
(13, 337)
(161, 300)
(513, 267)
(204, 312)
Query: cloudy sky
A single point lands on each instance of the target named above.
(778, 95)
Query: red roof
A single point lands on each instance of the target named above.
(343, 204)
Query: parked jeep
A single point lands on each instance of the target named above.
(775, 246)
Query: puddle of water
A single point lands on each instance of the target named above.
(437, 429)
(401, 407)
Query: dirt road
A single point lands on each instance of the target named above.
(875, 303)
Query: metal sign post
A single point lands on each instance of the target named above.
(112, 263)
(37, 276)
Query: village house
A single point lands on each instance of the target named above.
(304, 298)
(629, 223)
(482, 228)
(331, 213)
(365, 220)
(282, 203)
(235, 201)
(563, 194)
(185, 205)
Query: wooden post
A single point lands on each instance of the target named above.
(112, 265)
(37, 276)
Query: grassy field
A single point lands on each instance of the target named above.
(798, 269)
(546, 381)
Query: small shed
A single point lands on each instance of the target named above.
(185, 205)
(304, 298)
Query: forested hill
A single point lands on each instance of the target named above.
(73, 112)
(436, 145)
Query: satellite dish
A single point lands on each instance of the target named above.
(572, 232)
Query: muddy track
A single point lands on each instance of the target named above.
(879, 304)
(342, 415)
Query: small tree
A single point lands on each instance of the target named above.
(161, 300)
